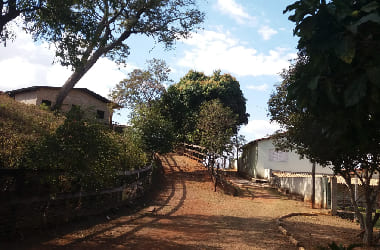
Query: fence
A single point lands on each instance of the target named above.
(195, 152)
(330, 191)
(27, 204)
(217, 174)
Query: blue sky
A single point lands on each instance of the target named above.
(250, 39)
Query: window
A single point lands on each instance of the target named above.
(46, 102)
(278, 156)
(100, 114)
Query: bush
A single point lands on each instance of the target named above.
(69, 154)
(20, 126)
(88, 155)
(133, 155)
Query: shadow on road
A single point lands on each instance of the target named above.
(166, 223)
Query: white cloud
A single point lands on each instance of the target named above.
(262, 87)
(266, 32)
(24, 63)
(236, 11)
(213, 50)
(256, 129)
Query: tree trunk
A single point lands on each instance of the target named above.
(313, 185)
(87, 65)
(216, 177)
(76, 76)
(368, 226)
(353, 201)
(368, 234)
(65, 89)
(367, 223)
(11, 13)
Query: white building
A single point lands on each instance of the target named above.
(260, 158)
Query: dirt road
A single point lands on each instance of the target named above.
(187, 214)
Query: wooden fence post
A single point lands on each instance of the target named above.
(334, 199)
(313, 185)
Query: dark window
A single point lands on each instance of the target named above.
(99, 114)
(46, 102)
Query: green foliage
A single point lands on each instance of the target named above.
(182, 101)
(102, 28)
(21, 125)
(33, 11)
(84, 152)
(215, 126)
(339, 39)
(88, 155)
(154, 130)
(142, 86)
(133, 155)
(328, 104)
(71, 154)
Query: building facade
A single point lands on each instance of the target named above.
(94, 105)
(260, 158)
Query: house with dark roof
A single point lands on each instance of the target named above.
(92, 103)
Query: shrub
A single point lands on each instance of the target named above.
(88, 155)
(20, 126)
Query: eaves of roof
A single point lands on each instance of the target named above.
(12, 93)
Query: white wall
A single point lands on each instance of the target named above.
(268, 158)
(27, 98)
(303, 186)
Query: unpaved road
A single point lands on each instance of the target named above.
(186, 214)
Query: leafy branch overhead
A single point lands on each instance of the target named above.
(94, 29)
(340, 39)
(142, 86)
(328, 103)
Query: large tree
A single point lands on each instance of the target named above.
(328, 103)
(104, 26)
(215, 126)
(182, 101)
(215, 129)
(11, 9)
(30, 12)
(142, 86)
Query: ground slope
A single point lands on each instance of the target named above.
(187, 214)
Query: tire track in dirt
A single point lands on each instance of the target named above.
(187, 214)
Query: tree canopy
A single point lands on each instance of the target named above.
(182, 101)
(52, 13)
(328, 103)
(153, 129)
(214, 126)
(105, 26)
(142, 86)
(83, 31)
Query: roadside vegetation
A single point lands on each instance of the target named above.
(199, 109)
(328, 102)
(20, 126)
(82, 154)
